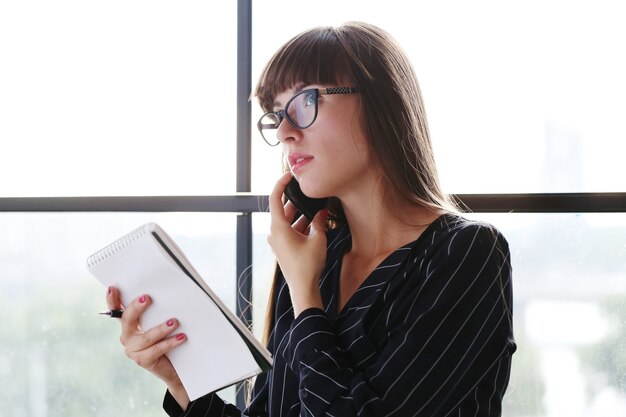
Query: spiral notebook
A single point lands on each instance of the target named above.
(220, 350)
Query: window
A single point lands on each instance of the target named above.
(117, 98)
(57, 356)
(520, 98)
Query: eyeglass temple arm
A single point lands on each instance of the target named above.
(337, 90)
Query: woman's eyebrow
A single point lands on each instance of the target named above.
(296, 89)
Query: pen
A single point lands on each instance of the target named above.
(112, 313)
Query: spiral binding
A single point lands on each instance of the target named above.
(116, 246)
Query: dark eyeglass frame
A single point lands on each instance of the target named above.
(284, 113)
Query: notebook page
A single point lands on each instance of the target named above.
(263, 358)
(214, 356)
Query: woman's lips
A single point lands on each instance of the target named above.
(298, 160)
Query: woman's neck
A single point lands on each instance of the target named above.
(378, 230)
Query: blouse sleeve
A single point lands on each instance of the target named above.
(445, 333)
(211, 405)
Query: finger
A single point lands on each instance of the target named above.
(151, 355)
(113, 299)
(152, 336)
(132, 313)
(277, 211)
(301, 224)
(290, 210)
(318, 225)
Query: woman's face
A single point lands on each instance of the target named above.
(331, 157)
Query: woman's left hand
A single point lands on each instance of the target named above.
(300, 249)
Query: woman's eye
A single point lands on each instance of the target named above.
(309, 99)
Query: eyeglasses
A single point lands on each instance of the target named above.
(300, 111)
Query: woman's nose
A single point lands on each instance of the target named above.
(288, 132)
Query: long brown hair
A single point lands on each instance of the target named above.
(391, 105)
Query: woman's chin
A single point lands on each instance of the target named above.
(312, 190)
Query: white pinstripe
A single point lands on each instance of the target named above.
(438, 326)
(393, 354)
(295, 350)
(316, 395)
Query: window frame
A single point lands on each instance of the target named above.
(245, 203)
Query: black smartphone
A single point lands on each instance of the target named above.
(306, 205)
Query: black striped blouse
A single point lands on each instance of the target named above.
(428, 333)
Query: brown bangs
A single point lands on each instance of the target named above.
(313, 57)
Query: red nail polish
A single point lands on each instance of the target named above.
(180, 336)
(142, 299)
(170, 322)
(109, 290)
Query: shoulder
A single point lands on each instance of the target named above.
(457, 236)
(465, 259)
(455, 225)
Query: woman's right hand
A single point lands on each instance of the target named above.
(148, 348)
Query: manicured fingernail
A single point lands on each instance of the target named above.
(142, 299)
(109, 290)
(180, 336)
(170, 322)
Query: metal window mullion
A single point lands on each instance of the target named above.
(235, 203)
(244, 167)
(250, 203)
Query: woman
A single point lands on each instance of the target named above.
(402, 307)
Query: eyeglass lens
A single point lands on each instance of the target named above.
(302, 108)
(301, 111)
